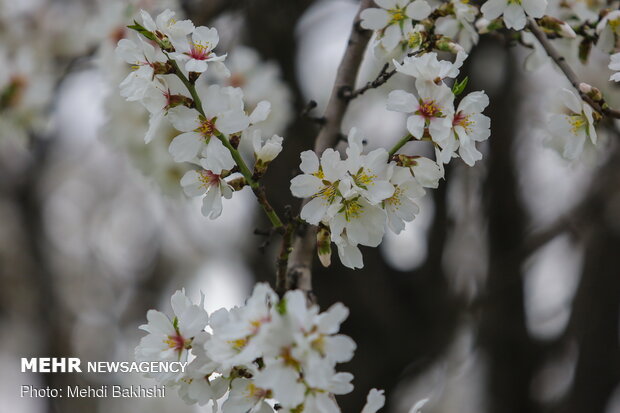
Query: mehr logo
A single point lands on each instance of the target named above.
(51, 365)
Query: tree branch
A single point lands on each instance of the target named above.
(560, 61)
(300, 260)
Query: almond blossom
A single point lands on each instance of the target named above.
(223, 114)
(144, 58)
(321, 181)
(469, 126)
(573, 126)
(197, 53)
(392, 17)
(401, 207)
(213, 186)
(170, 339)
(432, 111)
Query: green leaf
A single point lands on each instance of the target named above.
(140, 29)
(281, 307)
(458, 88)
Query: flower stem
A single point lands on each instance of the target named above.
(258, 190)
(400, 144)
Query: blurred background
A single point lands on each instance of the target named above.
(501, 297)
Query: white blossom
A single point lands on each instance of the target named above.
(368, 172)
(391, 17)
(197, 53)
(428, 70)
(572, 127)
(460, 27)
(401, 207)
(212, 185)
(320, 181)
(469, 126)
(432, 111)
(165, 25)
(170, 339)
(608, 30)
(143, 57)
(223, 114)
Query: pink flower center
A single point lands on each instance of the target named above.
(199, 51)
(176, 342)
(208, 178)
(461, 119)
(428, 109)
(207, 127)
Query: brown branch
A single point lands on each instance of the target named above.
(601, 107)
(300, 260)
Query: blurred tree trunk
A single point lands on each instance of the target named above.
(503, 334)
(595, 315)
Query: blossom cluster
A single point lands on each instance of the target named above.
(269, 352)
(405, 29)
(354, 199)
(169, 58)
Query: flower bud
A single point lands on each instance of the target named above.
(324, 246)
(485, 26)
(557, 27)
(590, 91)
(237, 184)
(447, 45)
(265, 153)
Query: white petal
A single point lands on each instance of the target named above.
(535, 8)
(194, 65)
(415, 126)
(418, 10)
(303, 186)
(232, 121)
(185, 147)
(492, 9)
(309, 162)
(514, 17)
(391, 37)
(401, 101)
(374, 19)
(218, 158)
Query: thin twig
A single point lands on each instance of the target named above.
(559, 60)
(258, 190)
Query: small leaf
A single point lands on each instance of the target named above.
(458, 88)
(140, 29)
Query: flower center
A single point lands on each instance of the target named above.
(239, 344)
(362, 179)
(428, 109)
(351, 208)
(397, 15)
(208, 178)
(463, 120)
(395, 199)
(207, 127)
(328, 192)
(176, 342)
(577, 122)
(199, 51)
